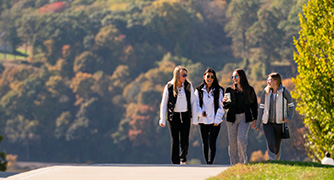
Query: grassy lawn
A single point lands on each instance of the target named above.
(278, 170)
(11, 56)
(19, 56)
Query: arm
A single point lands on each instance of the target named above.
(163, 107)
(227, 105)
(193, 100)
(291, 106)
(199, 109)
(220, 111)
(260, 112)
(254, 105)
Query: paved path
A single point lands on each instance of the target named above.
(122, 172)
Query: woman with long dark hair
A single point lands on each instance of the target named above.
(210, 112)
(242, 109)
(178, 105)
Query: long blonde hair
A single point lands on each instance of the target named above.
(176, 78)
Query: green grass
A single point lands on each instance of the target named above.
(278, 170)
(11, 56)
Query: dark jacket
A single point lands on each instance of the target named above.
(250, 105)
(172, 99)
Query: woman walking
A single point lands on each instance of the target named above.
(177, 106)
(275, 100)
(242, 109)
(210, 112)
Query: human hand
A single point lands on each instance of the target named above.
(162, 125)
(215, 124)
(204, 113)
(286, 120)
(254, 124)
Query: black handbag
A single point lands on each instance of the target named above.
(285, 127)
(285, 131)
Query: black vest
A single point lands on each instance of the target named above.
(172, 99)
(215, 97)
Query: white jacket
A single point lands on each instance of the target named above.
(209, 107)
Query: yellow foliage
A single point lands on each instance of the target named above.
(52, 83)
(16, 85)
(164, 6)
(160, 3)
(119, 7)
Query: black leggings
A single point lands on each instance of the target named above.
(209, 134)
(179, 131)
(273, 134)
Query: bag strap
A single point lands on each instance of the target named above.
(283, 109)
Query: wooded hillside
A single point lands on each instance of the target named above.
(90, 87)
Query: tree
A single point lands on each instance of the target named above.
(314, 89)
(29, 26)
(265, 39)
(174, 24)
(87, 62)
(241, 15)
(290, 25)
(22, 130)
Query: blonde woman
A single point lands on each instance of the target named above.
(178, 105)
(271, 113)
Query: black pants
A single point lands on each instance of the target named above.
(179, 131)
(273, 133)
(209, 134)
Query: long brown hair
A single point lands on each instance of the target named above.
(243, 79)
(176, 78)
(277, 77)
(244, 84)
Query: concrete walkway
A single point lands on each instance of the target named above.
(122, 172)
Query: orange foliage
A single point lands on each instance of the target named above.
(139, 124)
(288, 84)
(56, 7)
(49, 44)
(66, 50)
(259, 156)
(80, 76)
(298, 136)
(133, 134)
(11, 158)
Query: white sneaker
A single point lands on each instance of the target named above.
(183, 163)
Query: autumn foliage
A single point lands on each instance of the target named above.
(56, 7)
